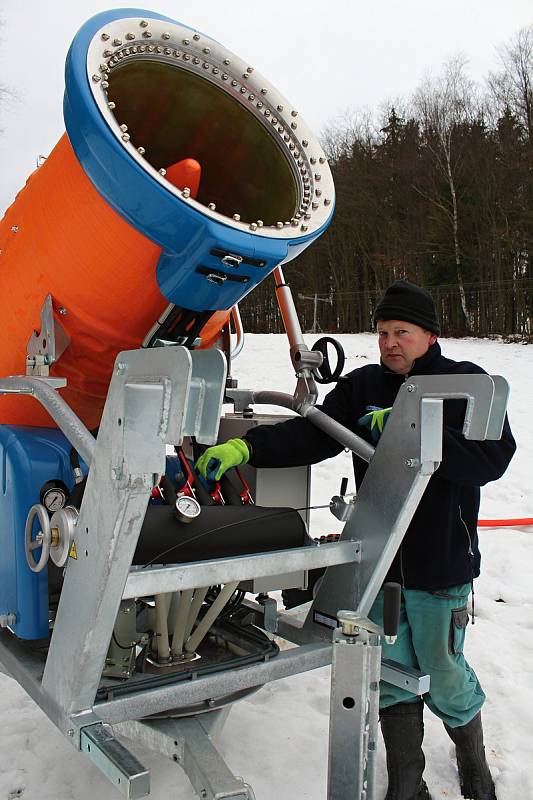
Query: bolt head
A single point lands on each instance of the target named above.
(348, 620)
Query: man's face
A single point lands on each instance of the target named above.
(400, 343)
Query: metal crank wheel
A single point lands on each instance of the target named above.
(326, 373)
(43, 539)
(62, 525)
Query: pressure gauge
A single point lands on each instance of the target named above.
(54, 495)
(187, 508)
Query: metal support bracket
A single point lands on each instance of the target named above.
(188, 742)
(47, 345)
(124, 771)
(408, 678)
(354, 710)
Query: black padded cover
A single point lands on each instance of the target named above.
(218, 532)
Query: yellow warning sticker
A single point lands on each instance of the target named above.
(72, 551)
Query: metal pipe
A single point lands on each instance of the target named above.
(178, 636)
(237, 323)
(338, 432)
(173, 611)
(210, 616)
(319, 419)
(162, 603)
(288, 312)
(194, 610)
(61, 413)
(274, 399)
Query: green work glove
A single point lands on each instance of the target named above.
(218, 459)
(375, 421)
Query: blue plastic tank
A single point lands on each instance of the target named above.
(29, 458)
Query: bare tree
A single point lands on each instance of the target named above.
(442, 106)
(339, 136)
(512, 86)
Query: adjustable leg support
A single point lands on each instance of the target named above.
(188, 742)
(354, 714)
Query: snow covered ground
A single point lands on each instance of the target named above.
(278, 738)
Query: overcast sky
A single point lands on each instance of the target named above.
(325, 57)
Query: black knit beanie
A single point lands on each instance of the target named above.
(410, 303)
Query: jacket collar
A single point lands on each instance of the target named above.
(420, 365)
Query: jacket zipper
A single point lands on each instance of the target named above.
(471, 557)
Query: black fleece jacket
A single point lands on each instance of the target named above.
(440, 548)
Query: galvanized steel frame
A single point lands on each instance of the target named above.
(156, 397)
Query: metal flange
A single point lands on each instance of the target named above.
(62, 526)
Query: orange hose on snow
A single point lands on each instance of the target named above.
(504, 523)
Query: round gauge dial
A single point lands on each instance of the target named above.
(187, 508)
(54, 495)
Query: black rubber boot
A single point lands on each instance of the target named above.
(402, 727)
(474, 773)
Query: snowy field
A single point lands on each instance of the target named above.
(278, 738)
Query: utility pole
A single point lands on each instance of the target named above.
(316, 299)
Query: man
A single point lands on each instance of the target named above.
(439, 556)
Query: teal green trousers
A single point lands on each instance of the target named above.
(431, 638)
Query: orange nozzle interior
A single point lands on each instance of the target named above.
(185, 174)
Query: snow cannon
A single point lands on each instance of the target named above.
(184, 178)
